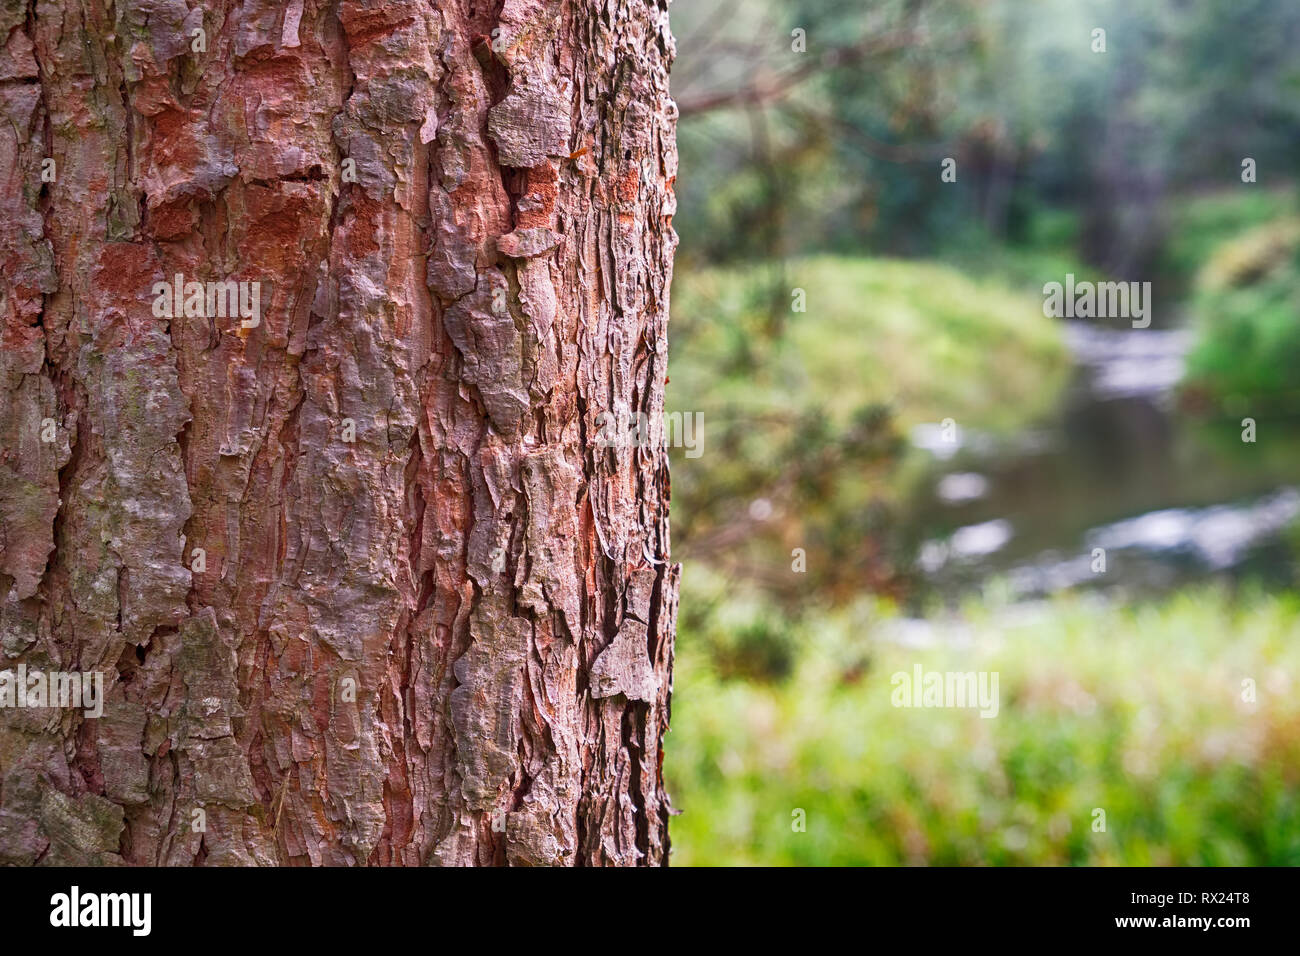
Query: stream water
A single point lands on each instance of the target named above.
(1116, 473)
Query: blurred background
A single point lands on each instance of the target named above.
(919, 468)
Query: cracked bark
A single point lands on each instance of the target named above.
(448, 641)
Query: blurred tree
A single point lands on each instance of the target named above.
(847, 156)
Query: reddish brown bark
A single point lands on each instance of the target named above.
(445, 641)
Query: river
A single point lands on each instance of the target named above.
(1116, 490)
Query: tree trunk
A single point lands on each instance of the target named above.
(362, 582)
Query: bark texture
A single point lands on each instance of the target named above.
(435, 625)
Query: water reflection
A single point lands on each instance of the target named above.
(1117, 474)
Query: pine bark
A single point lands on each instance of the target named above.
(435, 619)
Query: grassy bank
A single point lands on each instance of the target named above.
(924, 340)
(1248, 331)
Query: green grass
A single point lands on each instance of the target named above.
(925, 340)
(1135, 711)
(1248, 323)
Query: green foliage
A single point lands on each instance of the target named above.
(1199, 225)
(1068, 161)
(1038, 122)
(912, 336)
(805, 412)
(1248, 314)
(1136, 711)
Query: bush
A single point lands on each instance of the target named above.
(1248, 316)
